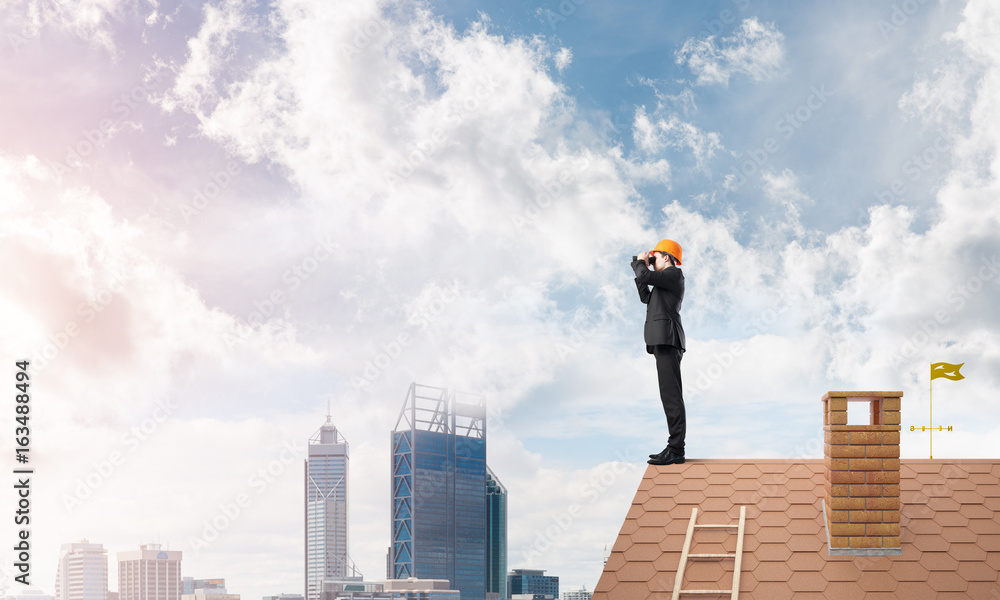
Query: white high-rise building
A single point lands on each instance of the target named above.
(577, 594)
(149, 573)
(82, 573)
(326, 482)
(27, 594)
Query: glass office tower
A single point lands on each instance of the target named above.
(496, 535)
(532, 581)
(326, 481)
(439, 501)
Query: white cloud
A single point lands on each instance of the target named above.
(782, 188)
(939, 96)
(91, 294)
(756, 49)
(657, 171)
(973, 33)
(208, 52)
(563, 58)
(91, 20)
(683, 100)
(653, 135)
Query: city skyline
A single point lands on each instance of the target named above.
(326, 509)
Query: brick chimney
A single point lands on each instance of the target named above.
(862, 474)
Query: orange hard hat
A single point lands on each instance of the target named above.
(670, 247)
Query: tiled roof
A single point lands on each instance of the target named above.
(950, 534)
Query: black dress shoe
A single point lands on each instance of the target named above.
(667, 459)
(660, 453)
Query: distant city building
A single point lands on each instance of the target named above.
(398, 589)
(327, 470)
(533, 597)
(285, 597)
(580, 594)
(422, 589)
(189, 585)
(202, 594)
(496, 536)
(112, 595)
(532, 582)
(439, 502)
(28, 594)
(82, 573)
(336, 588)
(150, 573)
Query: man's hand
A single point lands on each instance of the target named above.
(644, 257)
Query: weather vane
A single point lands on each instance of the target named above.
(948, 371)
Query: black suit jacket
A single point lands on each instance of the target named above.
(663, 304)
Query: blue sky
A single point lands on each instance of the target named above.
(245, 211)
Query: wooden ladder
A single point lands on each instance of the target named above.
(685, 555)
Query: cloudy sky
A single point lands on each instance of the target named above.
(217, 219)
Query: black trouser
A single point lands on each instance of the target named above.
(668, 375)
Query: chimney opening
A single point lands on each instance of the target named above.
(858, 413)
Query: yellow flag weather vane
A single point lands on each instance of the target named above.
(947, 371)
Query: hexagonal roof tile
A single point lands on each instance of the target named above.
(720, 478)
(747, 471)
(807, 581)
(807, 561)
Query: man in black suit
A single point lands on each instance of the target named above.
(664, 337)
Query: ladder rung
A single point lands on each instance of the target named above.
(686, 556)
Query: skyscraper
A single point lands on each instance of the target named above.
(326, 481)
(82, 573)
(532, 581)
(439, 520)
(149, 573)
(496, 535)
